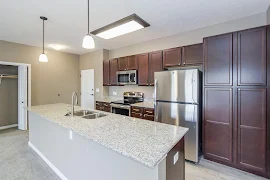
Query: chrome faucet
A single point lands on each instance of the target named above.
(76, 101)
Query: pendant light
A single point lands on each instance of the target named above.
(43, 57)
(88, 41)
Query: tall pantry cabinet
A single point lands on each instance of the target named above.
(235, 100)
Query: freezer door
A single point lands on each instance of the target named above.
(185, 115)
(177, 86)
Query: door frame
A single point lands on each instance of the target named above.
(25, 122)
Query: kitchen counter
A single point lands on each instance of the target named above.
(144, 104)
(143, 141)
(107, 99)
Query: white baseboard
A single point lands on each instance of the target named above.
(48, 162)
(9, 126)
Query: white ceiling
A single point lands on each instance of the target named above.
(67, 24)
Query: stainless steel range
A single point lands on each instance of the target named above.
(123, 106)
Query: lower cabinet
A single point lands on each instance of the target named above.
(142, 113)
(235, 132)
(103, 106)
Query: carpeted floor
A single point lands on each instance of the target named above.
(19, 162)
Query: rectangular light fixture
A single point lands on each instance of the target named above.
(121, 27)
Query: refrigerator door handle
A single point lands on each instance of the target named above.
(155, 100)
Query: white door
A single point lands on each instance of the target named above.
(22, 97)
(87, 89)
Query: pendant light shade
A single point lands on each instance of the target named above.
(88, 41)
(43, 57)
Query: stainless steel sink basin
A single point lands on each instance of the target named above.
(94, 116)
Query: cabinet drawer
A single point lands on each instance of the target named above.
(148, 117)
(137, 110)
(98, 103)
(136, 115)
(148, 111)
(106, 109)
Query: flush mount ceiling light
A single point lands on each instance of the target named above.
(123, 26)
(43, 57)
(88, 41)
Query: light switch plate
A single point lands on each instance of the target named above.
(175, 158)
(115, 93)
(97, 90)
(70, 134)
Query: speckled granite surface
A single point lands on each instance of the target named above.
(144, 104)
(108, 99)
(144, 141)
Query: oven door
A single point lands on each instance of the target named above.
(120, 109)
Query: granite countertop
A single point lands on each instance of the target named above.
(144, 141)
(144, 104)
(108, 99)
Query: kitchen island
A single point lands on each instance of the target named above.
(113, 147)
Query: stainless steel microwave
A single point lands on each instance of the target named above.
(126, 77)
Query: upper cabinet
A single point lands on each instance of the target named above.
(155, 64)
(127, 63)
(143, 69)
(251, 57)
(106, 73)
(192, 55)
(122, 63)
(172, 57)
(113, 70)
(218, 53)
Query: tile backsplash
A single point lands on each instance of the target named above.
(119, 90)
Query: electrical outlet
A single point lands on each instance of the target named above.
(114, 93)
(97, 90)
(70, 134)
(175, 158)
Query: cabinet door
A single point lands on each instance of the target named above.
(218, 60)
(122, 63)
(143, 69)
(218, 124)
(113, 70)
(172, 57)
(155, 65)
(106, 73)
(192, 55)
(252, 129)
(252, 57)
(132, 63)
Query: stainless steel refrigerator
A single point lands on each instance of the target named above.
(177, 102)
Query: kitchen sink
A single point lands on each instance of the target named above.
(94, 116)
(86, 114)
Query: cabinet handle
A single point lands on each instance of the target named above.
(135, 110)
(149, 112)
(140, 114)
(148, 115)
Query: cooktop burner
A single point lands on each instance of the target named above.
(123, 102)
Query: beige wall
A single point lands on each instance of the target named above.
(191, 37)
(59, 76)
(94, 60)
(148, 91)
(268, 15)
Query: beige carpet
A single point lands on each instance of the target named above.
(19, 162)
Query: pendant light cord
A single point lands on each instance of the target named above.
(88, 19)
(43, 37)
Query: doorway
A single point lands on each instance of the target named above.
(16, 78)
(87, 89)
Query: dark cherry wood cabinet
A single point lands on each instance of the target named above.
(143, 69)
(172, 57)
(218, 116)
(236, 100)
(155, 65)
(218, 53)
(122, 63)
(252, 57)
(142, 113)
(103, 106)
(252, 129)
(192, 55)
(113, 70)
(127, 63)
(106, 73)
